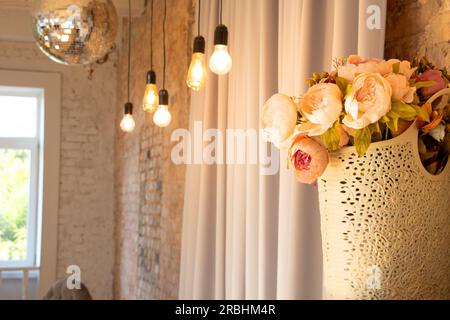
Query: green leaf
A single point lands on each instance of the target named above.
(422, 113)
(342, 84)
(316, 77)
(404, 111)
(363, 138)
(310, 82)
(375, 131)
(385, 119)
(374, 128)
(331, 138)
(396, 67)
(392, 124)
(424, 84)
(347, 91)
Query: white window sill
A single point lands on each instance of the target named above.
(14, 275)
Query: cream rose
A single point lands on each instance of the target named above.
(401, 91)
(356, 65)
(321, 106)
(278, 119)
(368, 100)
(404, 67)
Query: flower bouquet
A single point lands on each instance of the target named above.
(360, 102)
(375, 134)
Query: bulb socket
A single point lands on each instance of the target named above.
(163, 97)
(221, 35)
(151, 77)
(199, 44)
(128, 109)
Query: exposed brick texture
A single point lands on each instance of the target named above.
(149, 187)
(86, 212)
(419, 27)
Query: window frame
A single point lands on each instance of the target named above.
(31, 144)
(49, 86)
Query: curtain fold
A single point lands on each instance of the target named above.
(248, 235)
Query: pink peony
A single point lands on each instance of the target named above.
(356, 65)
(432, 75)
(309, 158)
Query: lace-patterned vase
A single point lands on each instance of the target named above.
(385, 224)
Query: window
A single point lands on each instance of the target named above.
(19, 166)
(36, 136)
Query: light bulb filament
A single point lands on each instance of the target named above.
(196, 78)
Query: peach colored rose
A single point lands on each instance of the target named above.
(432, 75)
(401, 91)
(404, 67)
(321, 106)
(309, 158)
(369, 100)
(278, 119)
(356, 65)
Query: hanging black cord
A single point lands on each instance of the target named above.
(129, 48)
(151, 32)
(198, 18)
(220, 11)
(164, 43)
(151, 36)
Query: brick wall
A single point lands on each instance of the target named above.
(149, 188)
(86, 212)
(419, 27)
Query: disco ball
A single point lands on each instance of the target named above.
(75, 32)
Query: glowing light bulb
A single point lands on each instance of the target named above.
(196, 77)
(162, 116)
(128, 124)
(150, 103)
(220, 62)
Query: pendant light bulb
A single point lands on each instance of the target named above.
(128, 124)
(196, 78)
(162, 116)
(150, 103)
(220, 62)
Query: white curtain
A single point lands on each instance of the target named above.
(248, 235)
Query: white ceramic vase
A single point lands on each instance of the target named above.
(385, 224)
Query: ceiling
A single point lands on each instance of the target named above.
(15, 17)
(15, 4)
(121, 5)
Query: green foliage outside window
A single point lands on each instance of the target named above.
(14, 194)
